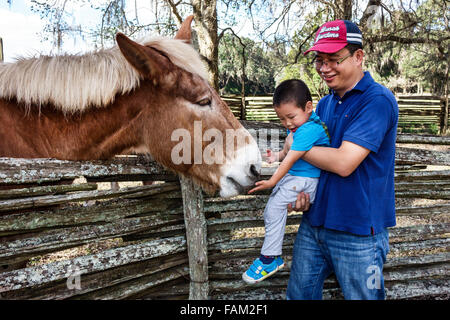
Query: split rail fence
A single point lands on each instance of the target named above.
(168, 240)
(417, 113)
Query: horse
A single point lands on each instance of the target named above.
(130, 98)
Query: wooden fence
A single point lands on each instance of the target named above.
(132, 243)
(417, 113)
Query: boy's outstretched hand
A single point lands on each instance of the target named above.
(271, 156)
(261, 185)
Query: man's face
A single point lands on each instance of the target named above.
(339, 70)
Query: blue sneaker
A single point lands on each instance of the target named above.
(279, 262)
(259, 271)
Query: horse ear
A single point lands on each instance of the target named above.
(185, 30)
(145, 60)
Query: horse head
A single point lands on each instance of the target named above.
(186, 126)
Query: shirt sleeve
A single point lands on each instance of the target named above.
(370, 124)
(306, 137)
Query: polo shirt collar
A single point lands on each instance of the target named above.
(362, 84)
(365, 82)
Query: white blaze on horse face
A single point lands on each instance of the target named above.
(242, 166)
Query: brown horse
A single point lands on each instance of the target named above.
(147, 98)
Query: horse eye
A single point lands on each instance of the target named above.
(204, 102)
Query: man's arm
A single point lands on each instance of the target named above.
(342, 161)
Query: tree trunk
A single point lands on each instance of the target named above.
(1, 50)
(344, 9)
(444, 108)
(243, 76)
(205, 16)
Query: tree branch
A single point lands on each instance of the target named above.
(175, 10)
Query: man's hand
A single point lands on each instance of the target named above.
(301, 204)
(261, 185)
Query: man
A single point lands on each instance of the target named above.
(344, 231)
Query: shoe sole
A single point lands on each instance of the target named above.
(249, 280)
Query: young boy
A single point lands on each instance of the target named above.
(293, 104)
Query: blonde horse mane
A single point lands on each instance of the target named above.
(74, 83)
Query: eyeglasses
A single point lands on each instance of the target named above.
(332, 63)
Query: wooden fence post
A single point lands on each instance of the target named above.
(444, 115)
(196, 239)
(243, 107)
(1, 49)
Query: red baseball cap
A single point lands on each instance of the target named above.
(334, 35)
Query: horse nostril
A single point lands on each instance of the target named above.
(254, 171)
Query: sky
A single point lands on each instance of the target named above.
(21, 29)
(18, 30)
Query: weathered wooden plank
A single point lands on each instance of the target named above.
(411, 155)
(408, 111)
(417, 288)
(174, 290)
(436, 185)
(422, 175)
(426, 97)
(137, 285)
(72, 215)
(196, 236)
(173, 228)
(108, 259)
(53, 240)
(237, 203)
(46, 190)
(52, 200)
(37, 171)
(420, 245)
(424, 210)
(89, 282)
(423, 194)
(423, 139)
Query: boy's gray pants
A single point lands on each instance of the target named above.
(285, 192)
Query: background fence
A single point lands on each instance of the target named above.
(130, 242)
(417, 113)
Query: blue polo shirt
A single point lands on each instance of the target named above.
(364, 202)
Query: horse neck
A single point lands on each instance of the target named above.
(113, 130)
(98, 133)
(105, 132)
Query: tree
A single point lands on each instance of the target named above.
(244, 61)
(404, 40)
